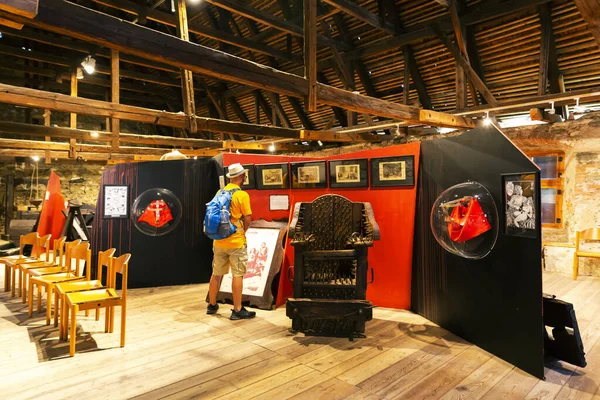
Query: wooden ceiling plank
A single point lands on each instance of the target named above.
(473, 77)
(590, 10)
(26, 8)
(195, 27)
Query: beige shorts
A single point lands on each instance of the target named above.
(236, 259)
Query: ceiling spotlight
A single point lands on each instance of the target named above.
(237, 151)
(487, 120)
(79, 73)
(94, 134)
(578, 108)
(89, 64)
(272, 148)
(35, 158)
(320, 143)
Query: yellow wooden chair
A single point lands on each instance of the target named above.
(59, 263)
(42, 249)
(60, 290)
(11, 263)
(591, 234)
(76, 254)
(106, 298)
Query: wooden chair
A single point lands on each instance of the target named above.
(60, 290)
(43, 261)
(105, 298)
(591, 234)
(11, 263)
(79, 253)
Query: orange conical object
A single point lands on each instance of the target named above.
(467, 221)
(52, 218)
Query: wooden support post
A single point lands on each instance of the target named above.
(544, 55)
(563, 89)
(73, 116)
(310, 52)
(539, 114)
(10, 201)
(47, 114)
(115, 125)
(187, 81)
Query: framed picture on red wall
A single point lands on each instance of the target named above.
(309, 175)
(249, 181)
(393, 171)
(272, 176)
(349, 173)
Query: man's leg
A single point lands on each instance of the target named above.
(213, 288)
(236, 291)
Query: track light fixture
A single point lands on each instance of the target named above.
(89, 64)
(487, 120)
(272, 148)
(578, 108)
(79, 73)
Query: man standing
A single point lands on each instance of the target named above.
(231, 252)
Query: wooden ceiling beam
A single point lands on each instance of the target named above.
(198, 29)
(362, 14)
(559, 99)
(470, 72)
(269, 20)
(477, 14)
(590, 10)
(72, 20)
(85, 48)
(26, 8)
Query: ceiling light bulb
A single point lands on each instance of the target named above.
(237, 151)
(35, 158)
(79, 73)
(272, 148)
(94, 134)
(89, 64)
(320, 143)
(487, 120)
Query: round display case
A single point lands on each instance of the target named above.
(464, 220)
(156, 212)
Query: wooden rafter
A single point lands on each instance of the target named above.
(590, 10)
(66, 18)
(196, 28)
(473, 77)
(310, 53)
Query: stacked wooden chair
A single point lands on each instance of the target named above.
(107, 298)
(11, 263)
(60, 273)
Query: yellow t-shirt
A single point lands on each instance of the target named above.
(240, 206)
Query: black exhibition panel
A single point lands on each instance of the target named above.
(494, 302)
(162, 254)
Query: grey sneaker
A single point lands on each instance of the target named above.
(212, 309)
(242, 314)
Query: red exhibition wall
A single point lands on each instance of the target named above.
(394, 208)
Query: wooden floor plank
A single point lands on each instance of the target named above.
(174, 350)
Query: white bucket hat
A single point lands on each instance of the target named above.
(235, 170)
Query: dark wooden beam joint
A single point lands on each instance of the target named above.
(310, 52)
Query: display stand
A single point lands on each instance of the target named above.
(75, 226)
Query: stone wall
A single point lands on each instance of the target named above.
(86, 191)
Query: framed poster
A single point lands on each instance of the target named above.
(116, 201)
(309, 175)
(249, 181)
(272, 176)
(519, 204)
(265, 257)
(349, 173)
(393, 171)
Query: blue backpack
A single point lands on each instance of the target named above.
(217, 222)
